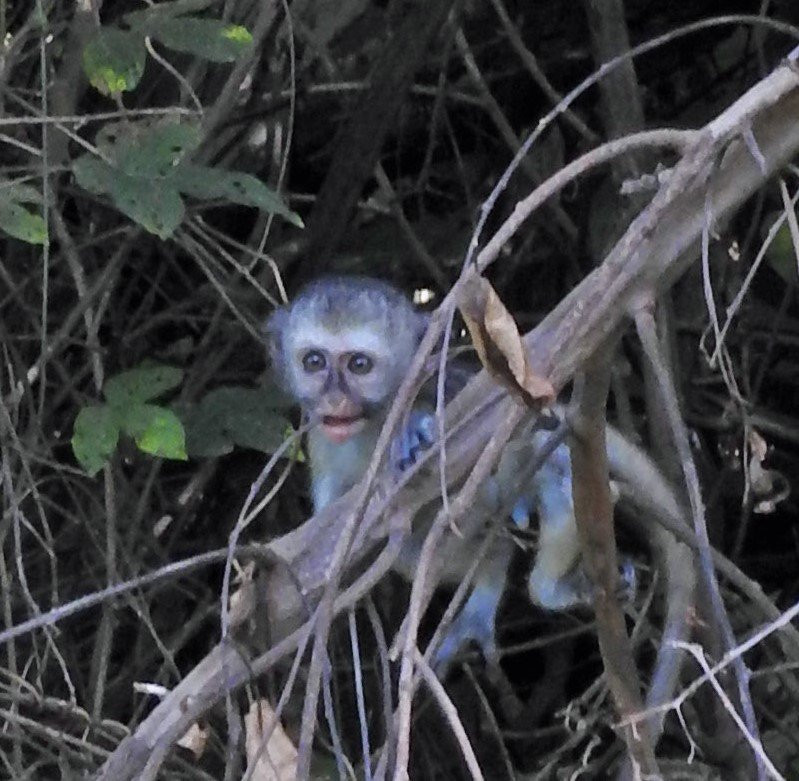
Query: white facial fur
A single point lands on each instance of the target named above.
(374, 387)
(340, 316)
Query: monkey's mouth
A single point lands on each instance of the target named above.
(340, 429)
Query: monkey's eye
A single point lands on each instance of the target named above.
(313, 361)
(360, 364)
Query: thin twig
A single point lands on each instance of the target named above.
(645, 326)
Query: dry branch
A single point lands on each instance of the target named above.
(593, 512)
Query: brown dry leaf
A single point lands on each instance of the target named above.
(768, 486)
(499, 344)
(195, 739)
(275, 761)
(757, 445)
(242, 600)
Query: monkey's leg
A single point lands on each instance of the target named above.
(558, 580)
(476, 620)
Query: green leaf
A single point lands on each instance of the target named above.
(94, 175)
(165, 10)
(22, 193)
(249, 420)
(20, 223)
(205, 183)
(114, 60)
(155, 150)
(140, 185)
(153, 203)
(234, 416)
(141, 384)
(95, 437)
(781, 255)
(211, 39)
(206, 437)
(156, 430)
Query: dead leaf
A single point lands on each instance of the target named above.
(242, 600)
(499, 344)
(276, 760)
(161, 525)
(768, 486)
(757, 445)
(195, 739)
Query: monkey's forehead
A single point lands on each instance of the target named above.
(342, 302)
(354, 338)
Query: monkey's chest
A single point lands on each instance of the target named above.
(336, 467)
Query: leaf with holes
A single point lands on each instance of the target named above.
(204, 183)
(150, 174)
(94, 175)
(95, 437)
(151, 202)
(155, 150)
(154, 203)
(114, 60)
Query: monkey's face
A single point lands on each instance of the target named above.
(344, 379)
(342, 348)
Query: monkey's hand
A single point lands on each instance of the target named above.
(418, 435)
(575, 589)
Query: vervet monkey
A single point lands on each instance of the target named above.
(342, 349)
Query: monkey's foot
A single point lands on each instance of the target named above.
(476, 623)
(575, 589)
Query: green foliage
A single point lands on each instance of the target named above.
(147, 150)
(229, 416)
(781, 254)
(155, 429)
(94, 175)
(114, 59)
(207, 183)
(152, 203)
(95, 437)
(16, 219)
(144, 174)
(210, 39)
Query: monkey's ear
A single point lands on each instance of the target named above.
(272, 331)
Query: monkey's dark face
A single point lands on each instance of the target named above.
(342, 378)
(342, 348)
